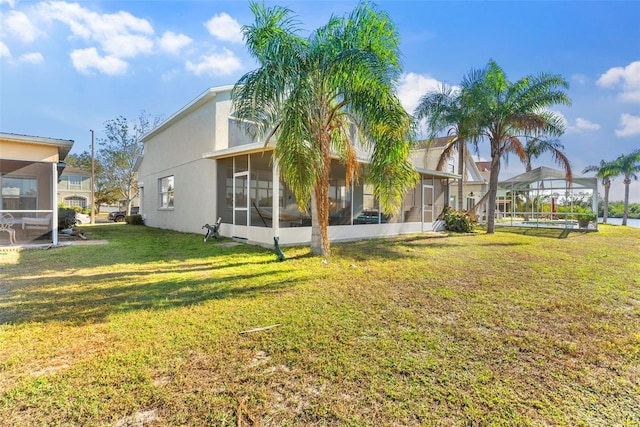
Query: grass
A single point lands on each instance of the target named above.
(503, 329)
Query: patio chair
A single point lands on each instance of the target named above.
(213, 230)
(6, 224)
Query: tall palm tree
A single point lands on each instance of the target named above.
(629, 166)
(606, 172)
(446, 110)
(311, 93)
(509, 113)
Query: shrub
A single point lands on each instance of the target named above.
(459, 221)
(66, 218)
(135, 219)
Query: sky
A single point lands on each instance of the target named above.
(68, 67)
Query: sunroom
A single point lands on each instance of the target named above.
(255, 209)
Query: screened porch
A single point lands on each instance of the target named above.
(544, 198)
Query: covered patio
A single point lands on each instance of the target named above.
(544, 198)
(29, 170)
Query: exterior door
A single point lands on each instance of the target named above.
(240, 204)
(427, 207)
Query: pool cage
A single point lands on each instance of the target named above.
(543, 198)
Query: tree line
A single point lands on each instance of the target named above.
(626, 165)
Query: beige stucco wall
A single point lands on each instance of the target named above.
(28, 152)
(177, 150)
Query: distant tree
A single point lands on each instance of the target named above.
(80, 161)
(629, 166)
(121, 149)
(606, 172)
(105, 190)
(535, 147)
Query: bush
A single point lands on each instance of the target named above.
(135, 219)
(459, 221)
(66, 218)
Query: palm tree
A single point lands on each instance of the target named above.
(445, 110)
(509, 113)
(535, 147)
(322, 95)
(629, 166)
(606, 172)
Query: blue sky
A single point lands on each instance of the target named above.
(68, 67)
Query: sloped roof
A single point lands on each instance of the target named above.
(77, 171)
(438, 142)
(484, 166)
(543, 173)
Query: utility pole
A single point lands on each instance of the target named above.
(93, 187)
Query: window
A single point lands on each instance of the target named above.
(76, 201)
(19, 193)
(75, 181)
(166, 186)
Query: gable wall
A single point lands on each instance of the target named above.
(177, 151)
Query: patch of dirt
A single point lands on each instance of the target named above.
(139, 419)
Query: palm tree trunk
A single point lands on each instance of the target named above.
(461, 145)
(605, 209)
(316, 234)
(627, 181)
(493, 190)
(320, 244)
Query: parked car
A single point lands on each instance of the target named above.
(82, 218)
(119, 215)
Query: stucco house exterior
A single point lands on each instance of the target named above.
(474, 183)
(199, 165)
(74, 187)
(29, 170)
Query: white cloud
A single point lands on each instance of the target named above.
(19, 26)
(630, 125)
(584, 124)
(127, 45)
(627, 77)
(11, 3)
(119, 35)
(32, 58)
(4, 51)
(225, 63)
(225, 28)
(581, 79)
(84, 60)
(580, 125)
(170, 75)
(411, 88)
(172, 42)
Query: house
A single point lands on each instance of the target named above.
(74, 188)
(199, 165)
(474, 183)
(29, 170)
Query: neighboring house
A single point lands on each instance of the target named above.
(474, 183)
(74, 188)
(29, 170)
(199, 165)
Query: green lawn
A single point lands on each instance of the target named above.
(504, 329)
